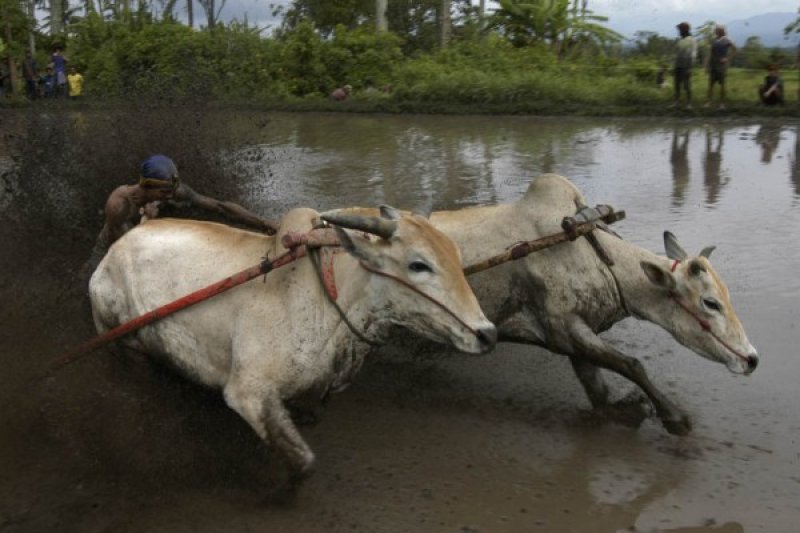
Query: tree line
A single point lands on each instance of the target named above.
(420, 48)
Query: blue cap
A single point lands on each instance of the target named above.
(159, 171)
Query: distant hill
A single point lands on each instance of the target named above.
(768, 27)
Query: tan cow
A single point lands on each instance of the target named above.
(562, 297)
(265, 343)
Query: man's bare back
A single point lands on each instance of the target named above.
(127, 204)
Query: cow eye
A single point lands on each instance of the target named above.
(419, 266)
(713, 305)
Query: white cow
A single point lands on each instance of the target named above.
(264, 343)
(561, 297)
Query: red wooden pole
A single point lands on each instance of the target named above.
(181, 303)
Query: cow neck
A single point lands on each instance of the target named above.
(610, 266)
(327, 280)
(637, 294)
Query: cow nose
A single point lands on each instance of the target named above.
(752, 362)
(487, 337)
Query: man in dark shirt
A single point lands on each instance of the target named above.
(721, 53)
(684, 59)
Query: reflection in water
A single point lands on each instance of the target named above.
(712, 167)
(794, 164)
(679, 159)
(768, 137)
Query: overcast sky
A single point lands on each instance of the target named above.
(625, 16)
(628, 16)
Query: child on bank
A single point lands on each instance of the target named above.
(771, 91)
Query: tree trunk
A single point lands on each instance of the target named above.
(56, 17)
(209, 7)
(31, 36)
(380, 15)
(190, 12)
(10, 64)
(444, 23)
(482, 14)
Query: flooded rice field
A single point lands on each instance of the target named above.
(505, 442)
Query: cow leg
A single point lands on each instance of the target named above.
(264, 411)
(592, 381)
(630, 410)
(597, 352)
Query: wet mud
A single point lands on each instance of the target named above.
(500, 443)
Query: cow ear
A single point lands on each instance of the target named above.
(658, 276)
(706, 252)
(359, 248)
(673, 249)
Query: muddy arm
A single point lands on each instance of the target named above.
(594, 350)
(228, 209)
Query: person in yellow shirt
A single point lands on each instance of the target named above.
(75, 81)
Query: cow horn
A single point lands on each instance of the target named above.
(381, 227)
(390, 213)
(674, 250)
(706, 252)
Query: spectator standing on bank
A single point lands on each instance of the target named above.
(720, 55)
(771, 91)
(30, 71)
(59, 71)
(75, 80)
(684, 59)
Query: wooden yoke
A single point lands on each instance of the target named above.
(524, 248)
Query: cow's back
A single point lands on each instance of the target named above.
(162, 260)
(552, 284)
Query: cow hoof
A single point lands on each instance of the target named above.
(629, 411)
(302, 470)
(680, 425)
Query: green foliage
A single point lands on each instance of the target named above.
(326, 15)
(171, 60)
(653, 45)
(753, 54)
(548, 56)
(565, 25)
(644, 70)
(15, 25)
(793, 27)
(361, 54)
(302, 61)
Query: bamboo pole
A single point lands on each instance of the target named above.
(522, 249)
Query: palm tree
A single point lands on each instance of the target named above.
(564, 25)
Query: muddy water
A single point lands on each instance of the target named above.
(504, 442)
